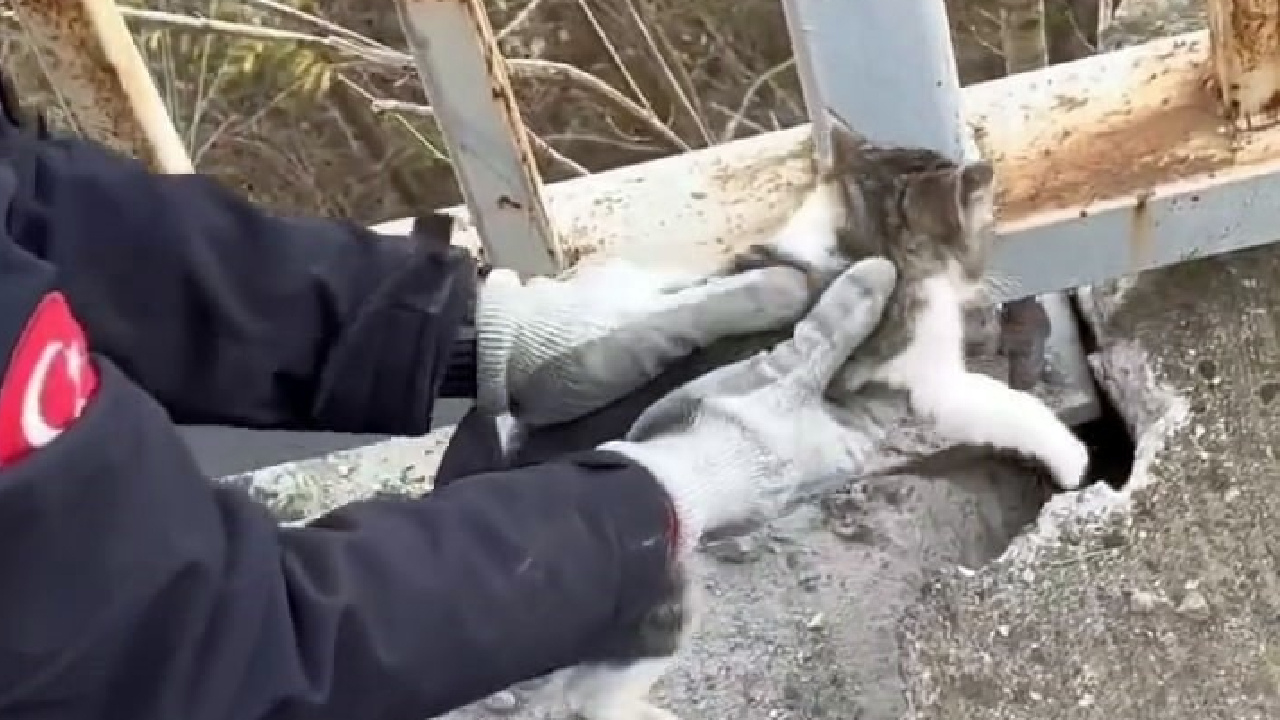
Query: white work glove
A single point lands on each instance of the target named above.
(744, 441)
(550, 351)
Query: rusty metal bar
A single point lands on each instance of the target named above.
(1245, 58)
(85, 48)
(1087, 153)
(1109, 165)
(465, 78)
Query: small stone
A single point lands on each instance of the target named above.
(816, 622)
(1113, 538)
(502, 703)
(735, 550)
(1142, 601)
(1194, 603)
(1086, 700)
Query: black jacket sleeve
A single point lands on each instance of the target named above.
(134, 588)
(229, 315)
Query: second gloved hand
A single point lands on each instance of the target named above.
(552, 350)
(743, 442)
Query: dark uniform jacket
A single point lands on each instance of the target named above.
(133, 588)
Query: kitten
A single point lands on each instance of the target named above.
(933, 218)
(617, 686)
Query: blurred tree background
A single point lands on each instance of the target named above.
(308, 105)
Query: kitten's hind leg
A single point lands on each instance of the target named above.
(616, 686)
(977, 409)
(616, 691)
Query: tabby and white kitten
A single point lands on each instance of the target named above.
(933, 218)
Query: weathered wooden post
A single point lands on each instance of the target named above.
(91, 60)
(465, 78)
(1245, 57)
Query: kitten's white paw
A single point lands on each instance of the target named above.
(653, 712)
(1068, 460)
(615, 692)
(633, 710)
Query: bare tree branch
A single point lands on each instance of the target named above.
(380, 106)
(563, 72)
(731, 127)
(519, 20)
(642, 25)
(376, 53)
(614, 56)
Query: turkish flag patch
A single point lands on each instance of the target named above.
(49, 380)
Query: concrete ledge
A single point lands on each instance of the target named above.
(804, 614)
(1160, 601)
(301, 490)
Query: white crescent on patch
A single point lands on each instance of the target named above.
(35, 426)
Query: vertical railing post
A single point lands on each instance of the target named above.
(465, 78)
(885, 66)
(888, 68)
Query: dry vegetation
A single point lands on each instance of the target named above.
(309, 105)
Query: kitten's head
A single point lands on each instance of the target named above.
(926, 213)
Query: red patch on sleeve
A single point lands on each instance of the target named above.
(49, 381)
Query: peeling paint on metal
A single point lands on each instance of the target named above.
(722, 198)
(1141, 248)
(465, 78)
(1244, 63)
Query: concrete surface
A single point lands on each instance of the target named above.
(1165, 604)
(224, 451)
(804, 615)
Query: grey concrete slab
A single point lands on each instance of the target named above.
(803, 616)
(228, 451)
(1163, 604)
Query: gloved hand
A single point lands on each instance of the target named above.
(744, 441)
(550, 351)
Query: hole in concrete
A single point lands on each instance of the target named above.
(1111, 447)
(976, 502)
(1111, 450)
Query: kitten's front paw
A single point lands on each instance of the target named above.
(634, 711)
(1068, 460)
(653, 712)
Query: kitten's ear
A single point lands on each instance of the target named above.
(976, 180)
(849, 150)
(857, 220)
(848, 145)
(940, 202)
